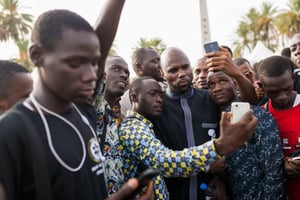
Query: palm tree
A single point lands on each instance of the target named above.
(16, 26)
(268, 33)
(155, 43)
(288, 20)
(257, 25)
(13, 24)
(23, 45)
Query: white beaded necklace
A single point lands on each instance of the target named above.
(39, 108)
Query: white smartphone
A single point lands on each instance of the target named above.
(238, 109)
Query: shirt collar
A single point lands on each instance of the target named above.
(186, 95)
(133, 114)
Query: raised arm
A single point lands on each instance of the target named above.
(106, 28)
(221, 61)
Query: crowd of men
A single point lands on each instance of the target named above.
(85, 130)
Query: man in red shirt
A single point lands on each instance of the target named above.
(276, 76)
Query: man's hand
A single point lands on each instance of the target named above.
(222, 61)
(218, 166)
(292, 167)
(219, 185)
(233, 136)
(129, 189)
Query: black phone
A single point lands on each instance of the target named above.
(211, 47)
(146, 176)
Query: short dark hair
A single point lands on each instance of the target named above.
(286, 52)
(275, 66)
(48, 28)
(139, 55)
(7, 70)
(228, 49)
(240, 61)
(137, 84)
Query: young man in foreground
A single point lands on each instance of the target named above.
(49, 149)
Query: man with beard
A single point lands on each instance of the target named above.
(189, 116)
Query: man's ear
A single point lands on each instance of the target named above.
(138, 69)
(235, 84)
(133, 98)
(36, 54)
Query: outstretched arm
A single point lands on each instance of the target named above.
(106, 28)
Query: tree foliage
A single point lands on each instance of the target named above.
(155, 43)
(269, 25)
(257, 25)
(16, 25)
(13, 23)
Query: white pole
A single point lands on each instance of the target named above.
(204, 22)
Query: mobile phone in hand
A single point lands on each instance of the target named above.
(146, 176)
(211, 47)
(238, 109)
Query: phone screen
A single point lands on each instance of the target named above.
(211, 47)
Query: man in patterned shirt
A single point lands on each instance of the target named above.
(116, 77)
(255, 171)
(142, 147)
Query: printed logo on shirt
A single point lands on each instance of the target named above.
(95, 155)
(209, 125)
(94, 150)
(211, 133)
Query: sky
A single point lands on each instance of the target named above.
(176, 22)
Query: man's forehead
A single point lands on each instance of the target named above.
(296, 39)
(115, 61)
(152, 52)
(217, 74)
(150, 84)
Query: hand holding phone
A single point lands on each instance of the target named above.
(211, 47)
(238, 109)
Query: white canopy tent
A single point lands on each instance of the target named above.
(259, 52)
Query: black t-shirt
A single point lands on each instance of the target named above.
(16, 173)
